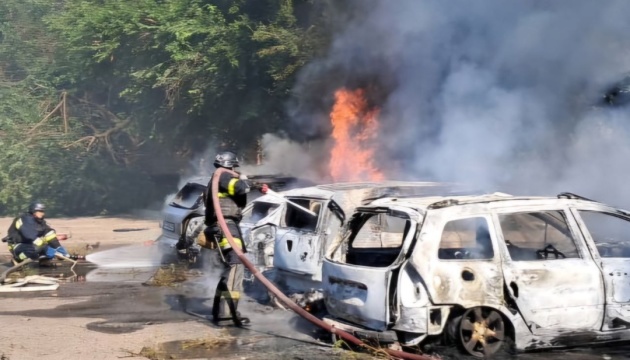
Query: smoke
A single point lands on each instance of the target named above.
(496, 94)
(288, 157)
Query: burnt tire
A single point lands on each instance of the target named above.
(482, 332)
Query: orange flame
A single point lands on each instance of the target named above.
(355, 129)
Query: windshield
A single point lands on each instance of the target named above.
(258, 211)
(188, 196)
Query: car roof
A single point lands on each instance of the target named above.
(376, 189)
(350, 195)
(200, 180)
(436, 202)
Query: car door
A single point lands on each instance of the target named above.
(467, 269)
(549, 273)
(360, 287)
(261, 235)
(609, 234)
(298, 239)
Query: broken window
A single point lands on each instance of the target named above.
(541, 235)
(189, 196)
(610, 233)
(258, 211)
(466, 239)
(376, 239)
(300, 219)
(380, 231)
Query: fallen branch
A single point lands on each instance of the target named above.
(47, 117)
(102, 135)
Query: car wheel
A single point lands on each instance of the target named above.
(481, 332)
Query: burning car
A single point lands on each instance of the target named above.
(287, 237)
(484, 271)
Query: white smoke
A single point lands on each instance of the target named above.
(287, 157)
(496, 94)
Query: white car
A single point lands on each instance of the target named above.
(486, 271)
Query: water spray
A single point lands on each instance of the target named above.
(282, 198)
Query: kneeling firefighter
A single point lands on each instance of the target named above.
(232, 199)
(30, 237)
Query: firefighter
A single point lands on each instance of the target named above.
(232, 199)
(30, 237)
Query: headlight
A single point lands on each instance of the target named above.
(168, 226)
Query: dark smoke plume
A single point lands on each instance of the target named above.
(497, 94)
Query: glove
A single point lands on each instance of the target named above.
(62, 251)
(39, 242)
(264, 188)
(242, 177)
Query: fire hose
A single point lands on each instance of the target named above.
(274, 290)
(6, 273)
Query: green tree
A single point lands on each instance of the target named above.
(95, 94)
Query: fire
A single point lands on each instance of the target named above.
(355, 129)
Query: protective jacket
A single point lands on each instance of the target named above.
(27, 229)
(232, 198)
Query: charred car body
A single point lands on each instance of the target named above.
(481, 271)
(288, 244)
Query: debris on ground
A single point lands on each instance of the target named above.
(170, 275)
(130, 229)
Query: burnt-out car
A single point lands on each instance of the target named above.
(288, 244)
(484, 271)
(186, 209)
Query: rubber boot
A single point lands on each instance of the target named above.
(235, 316)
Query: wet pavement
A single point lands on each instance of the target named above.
(123, 301)
(604, 352)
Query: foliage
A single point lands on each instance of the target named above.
(96, 95)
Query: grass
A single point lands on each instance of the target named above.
(222, 339)
(168, 276)
(182, 349)
(372, 351)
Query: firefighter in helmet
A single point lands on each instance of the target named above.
(30, 237)
(232, 195)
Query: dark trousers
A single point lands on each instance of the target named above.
(24, 251)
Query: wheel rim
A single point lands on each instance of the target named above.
(481, 331)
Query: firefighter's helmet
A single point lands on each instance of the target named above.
(226, 159)
(36, 206)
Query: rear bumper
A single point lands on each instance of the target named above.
(387, 336)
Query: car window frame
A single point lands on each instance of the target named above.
(320, 220)
(586, 233)
(489, 222)
(582, 246)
